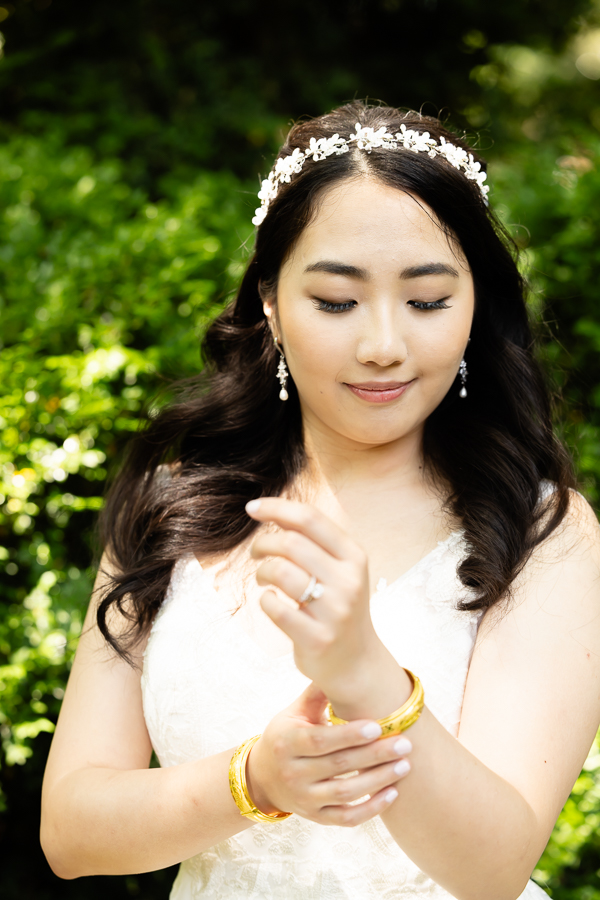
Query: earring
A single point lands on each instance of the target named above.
(282, 372)
(462, 371)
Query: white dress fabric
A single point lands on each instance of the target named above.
(214, 676)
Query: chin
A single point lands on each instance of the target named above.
(376, 436)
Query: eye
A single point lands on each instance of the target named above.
(436, 304)
(326, 306)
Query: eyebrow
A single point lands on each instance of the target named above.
(429, 269)
(329, 267)
(336, 268)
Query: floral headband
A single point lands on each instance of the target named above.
(366, 139)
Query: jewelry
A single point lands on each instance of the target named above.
(462, 371)
(282, 372)
(313, 591)
(239, 788)
(402, 718)
(366, 139)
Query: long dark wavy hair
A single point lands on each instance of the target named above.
(229, 439)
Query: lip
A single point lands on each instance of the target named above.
(379, 391)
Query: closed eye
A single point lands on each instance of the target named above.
(327, 306)
(436, 304)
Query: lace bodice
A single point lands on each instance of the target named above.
(214, 676)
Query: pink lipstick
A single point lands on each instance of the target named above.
(379, 391)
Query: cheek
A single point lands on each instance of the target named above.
(316, 350)
(436, 354)
(442, 342)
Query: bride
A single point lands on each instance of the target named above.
(349, 595)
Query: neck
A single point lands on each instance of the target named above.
(342, 463)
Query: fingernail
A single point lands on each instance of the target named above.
(252, 506)
(402, 746)
(390, 795)
(371, 731)
(402, 767)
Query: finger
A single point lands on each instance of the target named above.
(329, 609)
(350, 816)
(304, 630)
(323, 740)
(287, 576)
(310, 705)
(339, 791)
(290, 514)
(351, 759)
(298, 549)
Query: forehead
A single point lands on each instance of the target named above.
(370, 224)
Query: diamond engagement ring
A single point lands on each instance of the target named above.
(313, 591)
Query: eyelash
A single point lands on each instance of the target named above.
(437, 304)
(326, 306)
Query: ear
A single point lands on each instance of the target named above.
(269, 310)
(268, 304)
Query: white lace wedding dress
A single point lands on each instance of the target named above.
(211, 679)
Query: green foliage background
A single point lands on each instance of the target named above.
(130, 142)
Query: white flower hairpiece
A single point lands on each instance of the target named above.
(366, 139)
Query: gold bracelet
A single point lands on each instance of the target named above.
(239, 788)
(399, 720)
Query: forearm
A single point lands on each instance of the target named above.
(109, 822)
(460, 822)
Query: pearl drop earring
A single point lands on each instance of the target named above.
(282, 372)
(462, 371)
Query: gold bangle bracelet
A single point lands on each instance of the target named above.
(239, 787)
(399, 720)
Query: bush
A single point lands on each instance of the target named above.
(549, 197)
(102, 297)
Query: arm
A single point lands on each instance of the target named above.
(476, 812)
(105, 812)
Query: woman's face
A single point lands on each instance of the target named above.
(373, 311)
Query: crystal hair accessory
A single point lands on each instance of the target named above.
(366, 139)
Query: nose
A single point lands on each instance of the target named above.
(381, 340)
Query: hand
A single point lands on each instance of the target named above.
(294, 765)
(335, 644)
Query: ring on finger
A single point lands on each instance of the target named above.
(313, 591)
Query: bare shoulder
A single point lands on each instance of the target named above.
(562, 576)
(532, 706)
(580, 524)
(572, 550)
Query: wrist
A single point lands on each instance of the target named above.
(401, 718)
(372, 690)
(257, 790)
